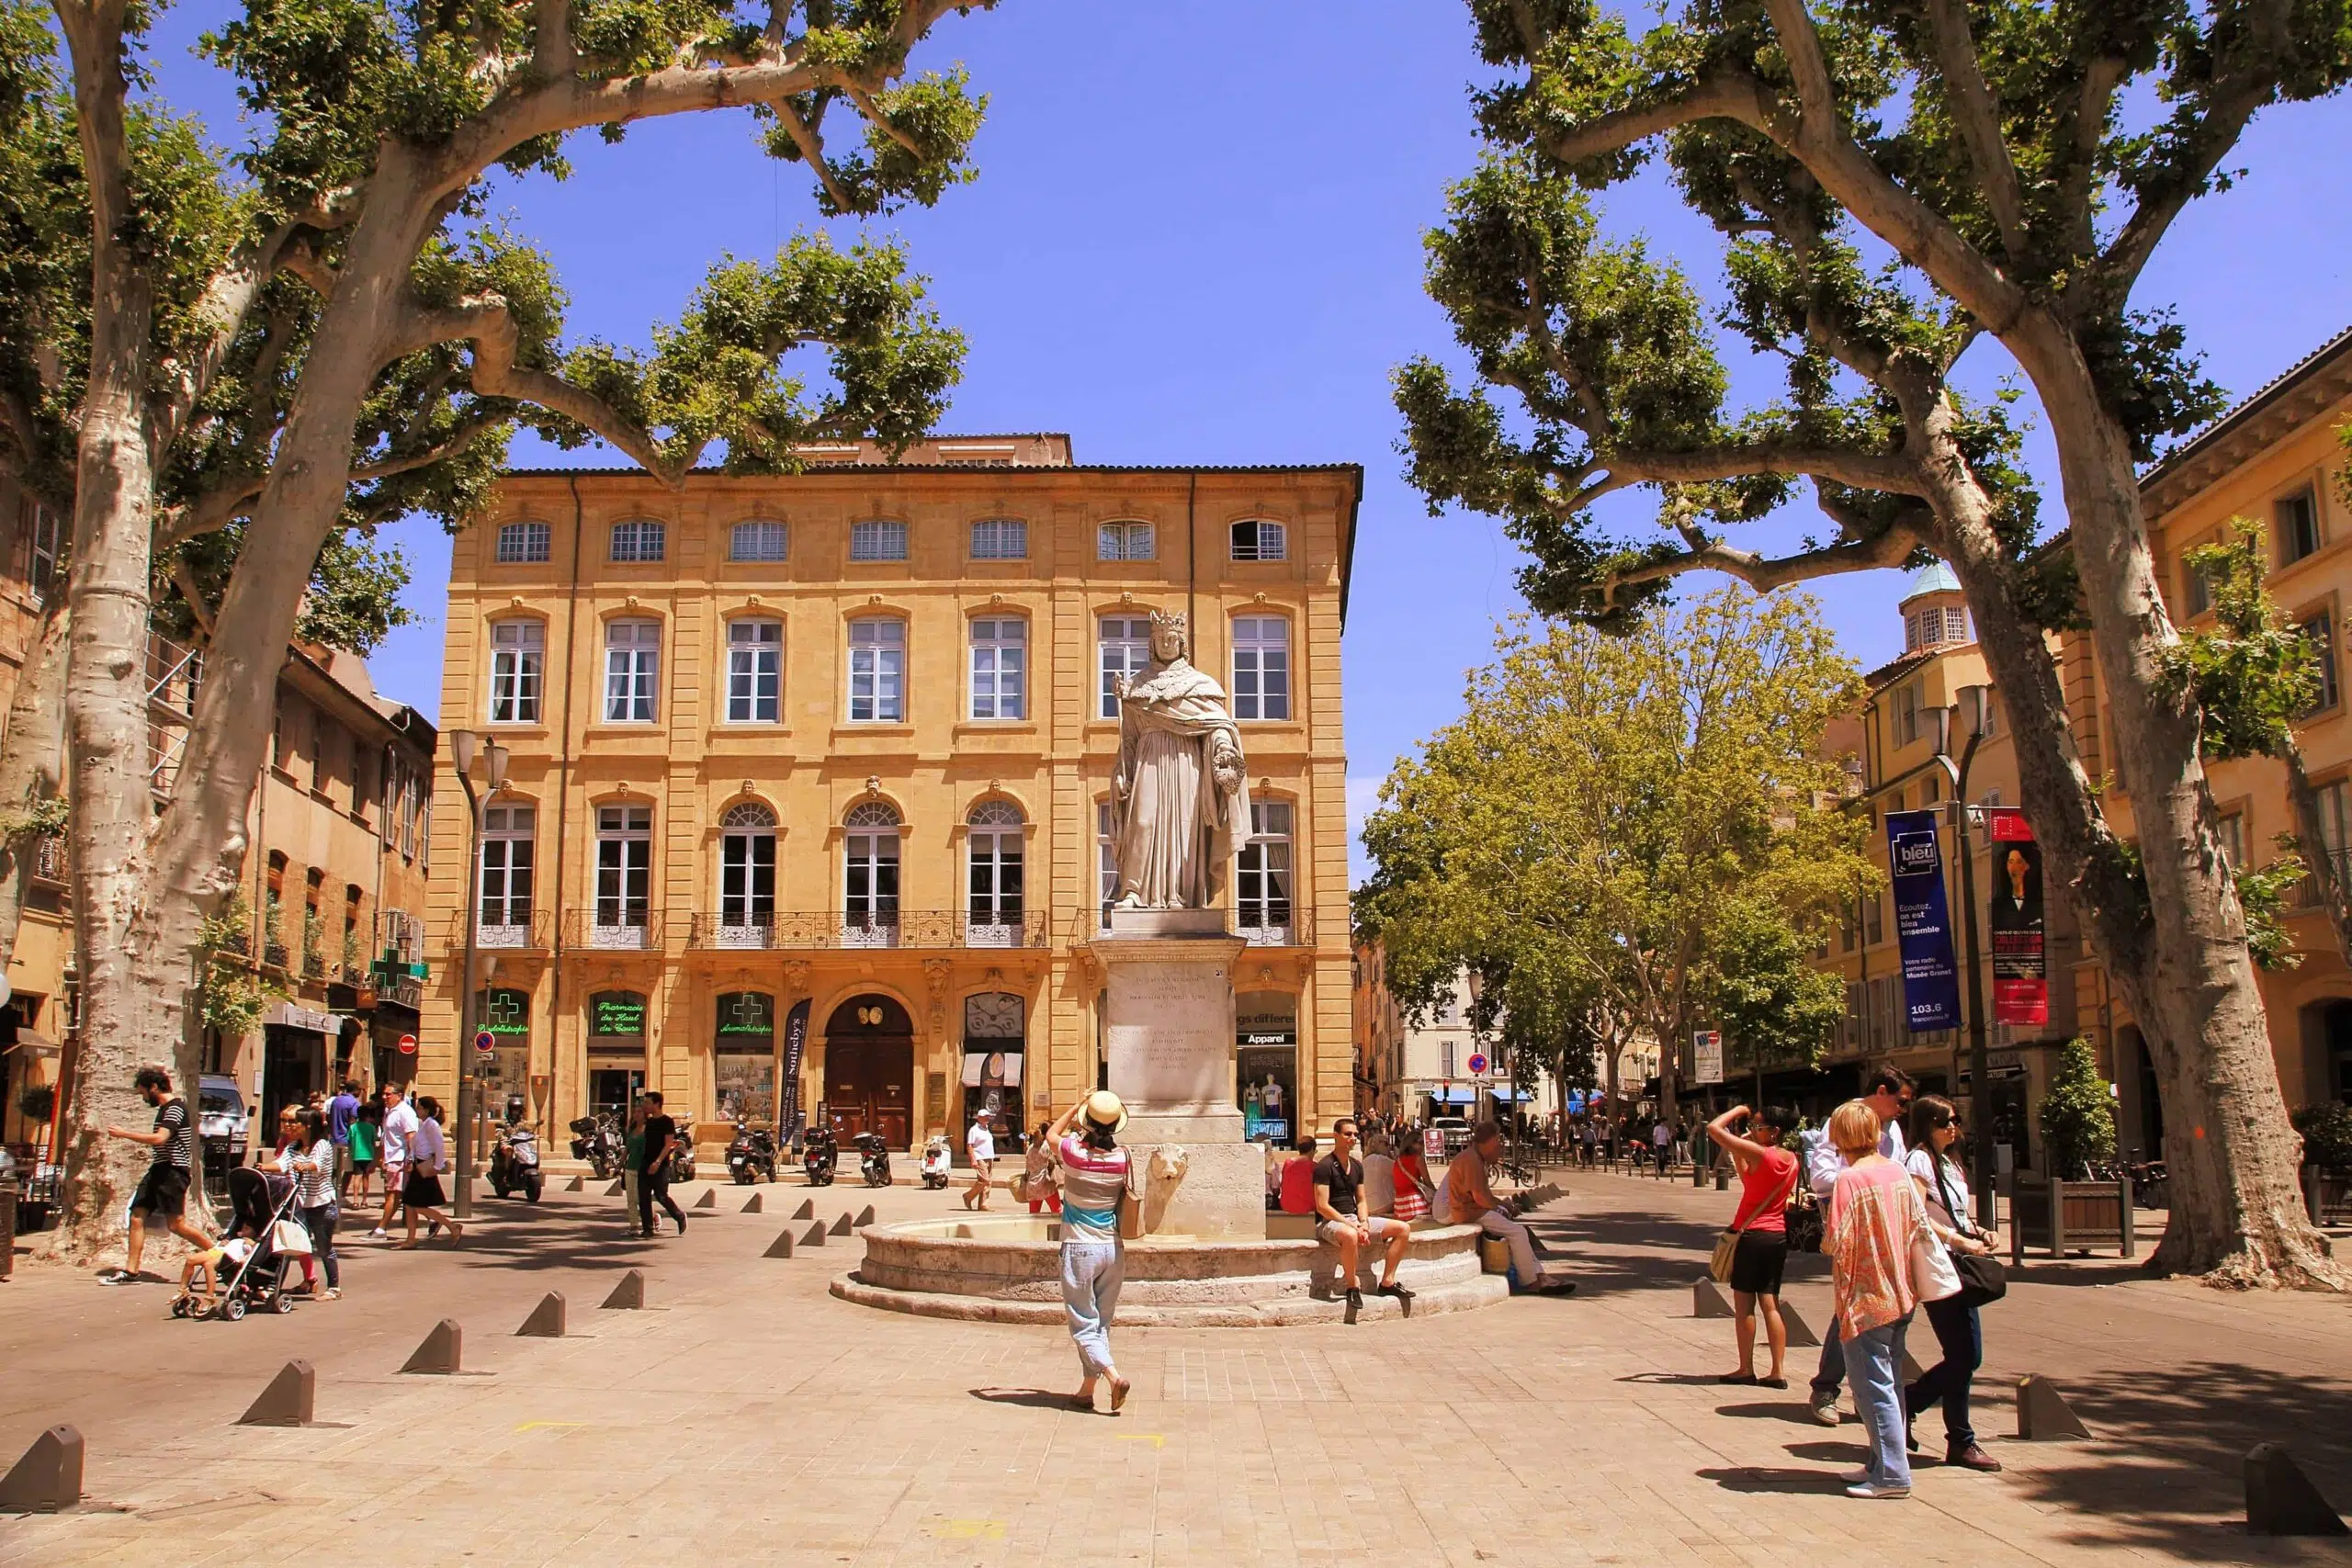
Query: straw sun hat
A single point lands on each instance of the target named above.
(1106, 1109)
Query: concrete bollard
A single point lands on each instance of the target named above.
(288, 1399)
(1912, 1370)
(844, 1226)
(48, 1480)
(545, 1321)
(617, 1189)
(442, 1353)
(629, 1295)
(709, 1199)
(1800, 1332)
(2281, 1500)
(1707, 1300)
(2043, 1414)
(808, 1210)
(814, 1235)
(577, 1184)
(753, 1205)
(864, 1218)
(781, 1247)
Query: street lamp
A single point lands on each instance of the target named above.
(465, 746)
(1973, 712)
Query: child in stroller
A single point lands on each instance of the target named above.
(249, 1265)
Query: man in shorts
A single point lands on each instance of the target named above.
(163, 1191)
(399, 1126)
(1340, 1222)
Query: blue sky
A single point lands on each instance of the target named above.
(1196, 238)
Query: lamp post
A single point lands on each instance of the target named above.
(464, 747)
(1974, 705)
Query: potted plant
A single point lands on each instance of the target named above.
(2327, 1153)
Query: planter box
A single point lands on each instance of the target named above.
(2328, 1195)
(2088, 1214)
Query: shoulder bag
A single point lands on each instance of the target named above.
(1982, 1277)
(1727, 1243)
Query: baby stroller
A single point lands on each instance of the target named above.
(261, 1205)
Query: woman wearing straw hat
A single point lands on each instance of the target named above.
(1095, 1178)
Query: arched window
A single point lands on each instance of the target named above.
(1258, 540)
(756, 541)
(639, 539)
(517, 670)
(624, 877)
(521, 544)
(993, 857)
(870, 876)
(746, 876)
(509, 839)
(1263, 890)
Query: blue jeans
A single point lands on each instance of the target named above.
(1961, 1333)
(1875, 1359)
(1091, 1274)
(1832, 1374)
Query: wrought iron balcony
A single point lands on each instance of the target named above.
(505, 930)
(925, 929)
(613, 928)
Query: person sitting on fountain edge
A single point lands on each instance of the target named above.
(1339, 1220)
(1470, 1200)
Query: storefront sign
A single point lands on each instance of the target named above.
(617, 1013)
(795, 1040)
(2020, 958)
(746, 1019)
(1922, 922)
(506, 1011)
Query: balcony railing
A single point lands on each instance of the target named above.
(616, 927)
(840, 929)
(506, 932)
(1281, 925)
(2307, 894)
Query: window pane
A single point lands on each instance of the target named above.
(523, 542)
(756, 541)
(1259, 541)
(2321, 629)
(998, 666)
(1125, 648)
(755, 671)
(1000, 539)
(1124, 541)
(877, 541)
(638, 541)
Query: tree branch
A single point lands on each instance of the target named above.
(1979, 119)
(552, 55)
(1722, 94)
(1889, 547)
(812, 152)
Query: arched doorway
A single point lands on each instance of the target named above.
(870, 1068)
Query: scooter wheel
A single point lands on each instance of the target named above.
(533, 1191)
(233, 1309)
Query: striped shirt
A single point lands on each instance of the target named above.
(314, 1175)
(1094, 1180)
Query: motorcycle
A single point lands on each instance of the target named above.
(935, 1158)
(874, 1159)
(752, 1156)
(515, 1163)
(818, 1157)
(681, 1155)
(597, 1139)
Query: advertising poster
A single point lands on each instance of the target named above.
(2020, 954)
(1922, 922)
(795, 1040)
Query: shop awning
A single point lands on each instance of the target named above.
(32, 1043)
(1455, 1096)
(1503, 1091)
(293, 1015)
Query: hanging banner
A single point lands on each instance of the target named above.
(796, 1040)
(2020, 952)
(1914, 863)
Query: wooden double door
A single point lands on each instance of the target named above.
(870, 1069)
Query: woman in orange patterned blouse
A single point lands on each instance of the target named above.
(1875, 1215)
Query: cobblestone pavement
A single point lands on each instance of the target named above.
(747, 1416)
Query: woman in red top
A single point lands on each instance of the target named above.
(1767, 1179)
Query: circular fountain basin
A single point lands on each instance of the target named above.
(1007, 1270)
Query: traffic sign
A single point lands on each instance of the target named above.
(485, 1042)
(1477, 1064)
(408, 1044)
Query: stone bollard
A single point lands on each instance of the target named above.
(2281, 1500)
(844, 1226)
(753, 1205)
(443, 1351)
(1707, 1300)
(48, 1480)
(864, 1218)
(288, 1399)
(814, 1235)
(577, 1184)
(781, 1247)
(617, 1189)
(629, 1295)
(808, 1210)
(2043, 1414)
(709, 1199)
(545, 1321)
(1800, 1332)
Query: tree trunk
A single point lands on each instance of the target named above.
(31, 763)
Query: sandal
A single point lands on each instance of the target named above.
(1119, 1387)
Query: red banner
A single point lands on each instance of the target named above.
(2020, 961)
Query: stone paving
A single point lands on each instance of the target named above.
(747, 1416)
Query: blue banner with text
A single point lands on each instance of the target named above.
(1922, 922)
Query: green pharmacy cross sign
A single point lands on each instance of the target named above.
(506, 1011)
(747, 1013)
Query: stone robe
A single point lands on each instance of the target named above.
(1172, 828)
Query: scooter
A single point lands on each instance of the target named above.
(874, 1159)
(597, 1139)
(682, 1156)
(819, 1155)
(935, 1157)
(515, 1163)
(752, 1156)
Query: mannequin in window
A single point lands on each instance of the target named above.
(1180, 795)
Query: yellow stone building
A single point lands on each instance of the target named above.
(825, 759)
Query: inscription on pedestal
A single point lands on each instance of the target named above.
(1169, 1031)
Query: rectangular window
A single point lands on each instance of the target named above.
(2196, 590)
(641, 540)
(1874, 920)
(1126, 643)
(1000, 667)
(1906, 715)
(42, 567)
(1261, 541)
(2321, 629)
(877, 541)
(633, 670)
(1261, 888)
(1124, 541)
(755, 671)
(2334, 816)
(624, 870)
(756, 541)
(506, 871)
(1000, 538)
(522, 542)
(877, 671)
(1106, 860)
(2233, 839)
(517, 660)
(2298, 517)
(1260, 667)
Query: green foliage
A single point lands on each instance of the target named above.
(1773, 1007)
(234, 996)
(37, 819)
(2328, 1134)
(2262, 893)
(2255, 673)
(2077, 1113)
(37, 1101)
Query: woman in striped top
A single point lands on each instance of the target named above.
(309, 1158)
(1096, 1175)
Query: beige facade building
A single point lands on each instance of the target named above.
(39, 1015)
(819, 764)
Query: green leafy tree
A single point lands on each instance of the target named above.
(1775, 1008)
(225, 366)
(2077, 1113)
(1614, 819)
(1896, 183)
(2326, 1130)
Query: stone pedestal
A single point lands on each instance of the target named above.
(1168, 1028)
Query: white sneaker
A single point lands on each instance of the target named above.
(1870, 1493)
(378, 1234)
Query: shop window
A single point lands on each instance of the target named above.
(878, 540)
(1263, 888)
(877, 671)
(870, 876)
(1000, 667)
(742, 1058)
(1261, 541)
(524, 544)
(1266, 1064)
(993, 835)
(1125, 541)
(1000, 538)
(755, 671)
(1260, 667)
(509, 835)
(1125, 642)
(617, 1022)
(624, 876)
(517, 670)
(746, 876)
(505, 1012)
(641, 540)
(756, 541)
(632, 670)
(995, 1050)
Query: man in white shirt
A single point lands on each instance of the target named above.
(1889, 1094)
(400, 1127)
(979, 1142)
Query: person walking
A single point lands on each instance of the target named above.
(428, 1156)
(1875, 1216)
(399, 1132)
(980, 1143)
(1097, 1177)
(342, 1110)
(1037, 1171)
(1767, 1179)
(366, 1139)
(1662, 1145)
(163, 1190)
(632, 1160)
(1889, 1098)
(653, 1171)
(1959, 1331)
(310, 1160)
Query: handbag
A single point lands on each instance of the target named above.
(1727, 1243)
(1020, 1187)
(1933, 1279)
(289, 1236)
(1982, 1277)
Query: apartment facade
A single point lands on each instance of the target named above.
(39, 1015)
(808, 784)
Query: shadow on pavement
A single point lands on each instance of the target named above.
(1820, 1483)
(1034, 1398)
(1792, 1411)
